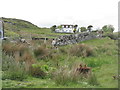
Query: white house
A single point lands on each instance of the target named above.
(66, 29)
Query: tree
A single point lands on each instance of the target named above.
(108, 28)
(53, 28)
(89, 28)
(83, 29)
(75, 27)
(59, 26)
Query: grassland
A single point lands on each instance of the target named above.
(104, 65)
(42, 66)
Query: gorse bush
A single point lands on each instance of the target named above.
(81, 50)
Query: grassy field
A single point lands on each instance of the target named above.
(104, 64)
(39, 65)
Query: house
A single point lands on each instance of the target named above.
(64, 28)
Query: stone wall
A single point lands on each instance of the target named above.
(74, 38)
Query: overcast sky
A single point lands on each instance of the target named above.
(45, 13)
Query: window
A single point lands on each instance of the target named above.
(68, 26)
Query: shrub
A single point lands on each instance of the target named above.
(81, 50)
(12, 48)
(8, 48)
(20, 52)
(17, 74)
(63, 50)
(28, 59)
(37, 71)
(64, 76)
(13, 70)
(41, 52)
(111, 35)
(92, 80)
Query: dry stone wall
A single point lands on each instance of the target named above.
(74, 38)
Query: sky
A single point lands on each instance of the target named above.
(45, 13)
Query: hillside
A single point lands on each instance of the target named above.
(13, 26)
(17, 27)
(17, 24)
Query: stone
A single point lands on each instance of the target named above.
(74, 38)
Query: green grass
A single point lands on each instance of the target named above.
(42, 32)
(104, 61)
(42, 83)
(103, 64)
(24, 28)
(106, 72)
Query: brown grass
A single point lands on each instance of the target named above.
(41, 52)
(81, 50)
(20, 52)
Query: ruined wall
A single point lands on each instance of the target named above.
(74, 38)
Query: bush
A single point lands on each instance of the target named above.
(12, 48)
(41, 52)
(13, 70)
(37, 71)
(20, 52)
(64, 76)
(63, 50)
(15, 75)
(111, 36)
(8, 48)
(93, 80)
(81, 50)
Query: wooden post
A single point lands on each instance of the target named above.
(45, 40)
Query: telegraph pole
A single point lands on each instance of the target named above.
(1, 28)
